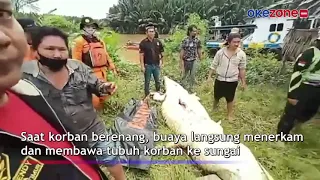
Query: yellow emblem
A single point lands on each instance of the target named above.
(256, 45)
(87, 20)
(4, 167)
(30, 169)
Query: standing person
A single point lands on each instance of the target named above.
(89, 49)
(68, 86)
(236, 31)
(229, 64)
(24, 109)
(189, 53)
(304, 90)
(151, 25)
(151, 59)
(157, 33)
(29, 27)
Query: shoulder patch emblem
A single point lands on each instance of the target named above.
(30, 168)
(4, 167)
(301, 63)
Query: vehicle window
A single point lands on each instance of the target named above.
(272, 28)
(246, 32)
(280, 27)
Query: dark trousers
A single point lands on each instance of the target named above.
(307, 106)
(188, 79)
(224, 89)
(151, 70)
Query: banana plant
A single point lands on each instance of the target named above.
(19, 5)
(128, 15)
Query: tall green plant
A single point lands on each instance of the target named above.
(127, 15)
(202, 25)
(59, 22)
(264, 69)
(19, 5)
(173, 45)
(111, 39)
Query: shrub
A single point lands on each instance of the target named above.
(59, 22)
(111, 40)
(172, 46)
(265, 68)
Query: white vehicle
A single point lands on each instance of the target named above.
(269, 32)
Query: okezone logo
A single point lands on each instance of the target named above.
(277, 13)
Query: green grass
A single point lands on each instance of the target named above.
(257, 112)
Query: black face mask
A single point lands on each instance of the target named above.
(53, 64)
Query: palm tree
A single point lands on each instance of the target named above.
(18, 5)
(128, 15)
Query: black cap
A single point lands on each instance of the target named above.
(88, 21)
(27, 23)
(150, 25)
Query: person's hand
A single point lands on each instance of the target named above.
(161, 63)
(115, 72)
(110, 87)
(243, 86)
(292, 101)
(209, 79)
(182, 71)
(143, 69)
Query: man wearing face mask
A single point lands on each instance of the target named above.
(189, 53)
(23, 108)
(68, 86)
(89, 49)
(29, 27)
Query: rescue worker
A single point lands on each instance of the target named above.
(89, 49)
(304, 90)
(67, 85)
(24, 109)
(29, 27)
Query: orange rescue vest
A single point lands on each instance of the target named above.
(30, 55)
(94, 54)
